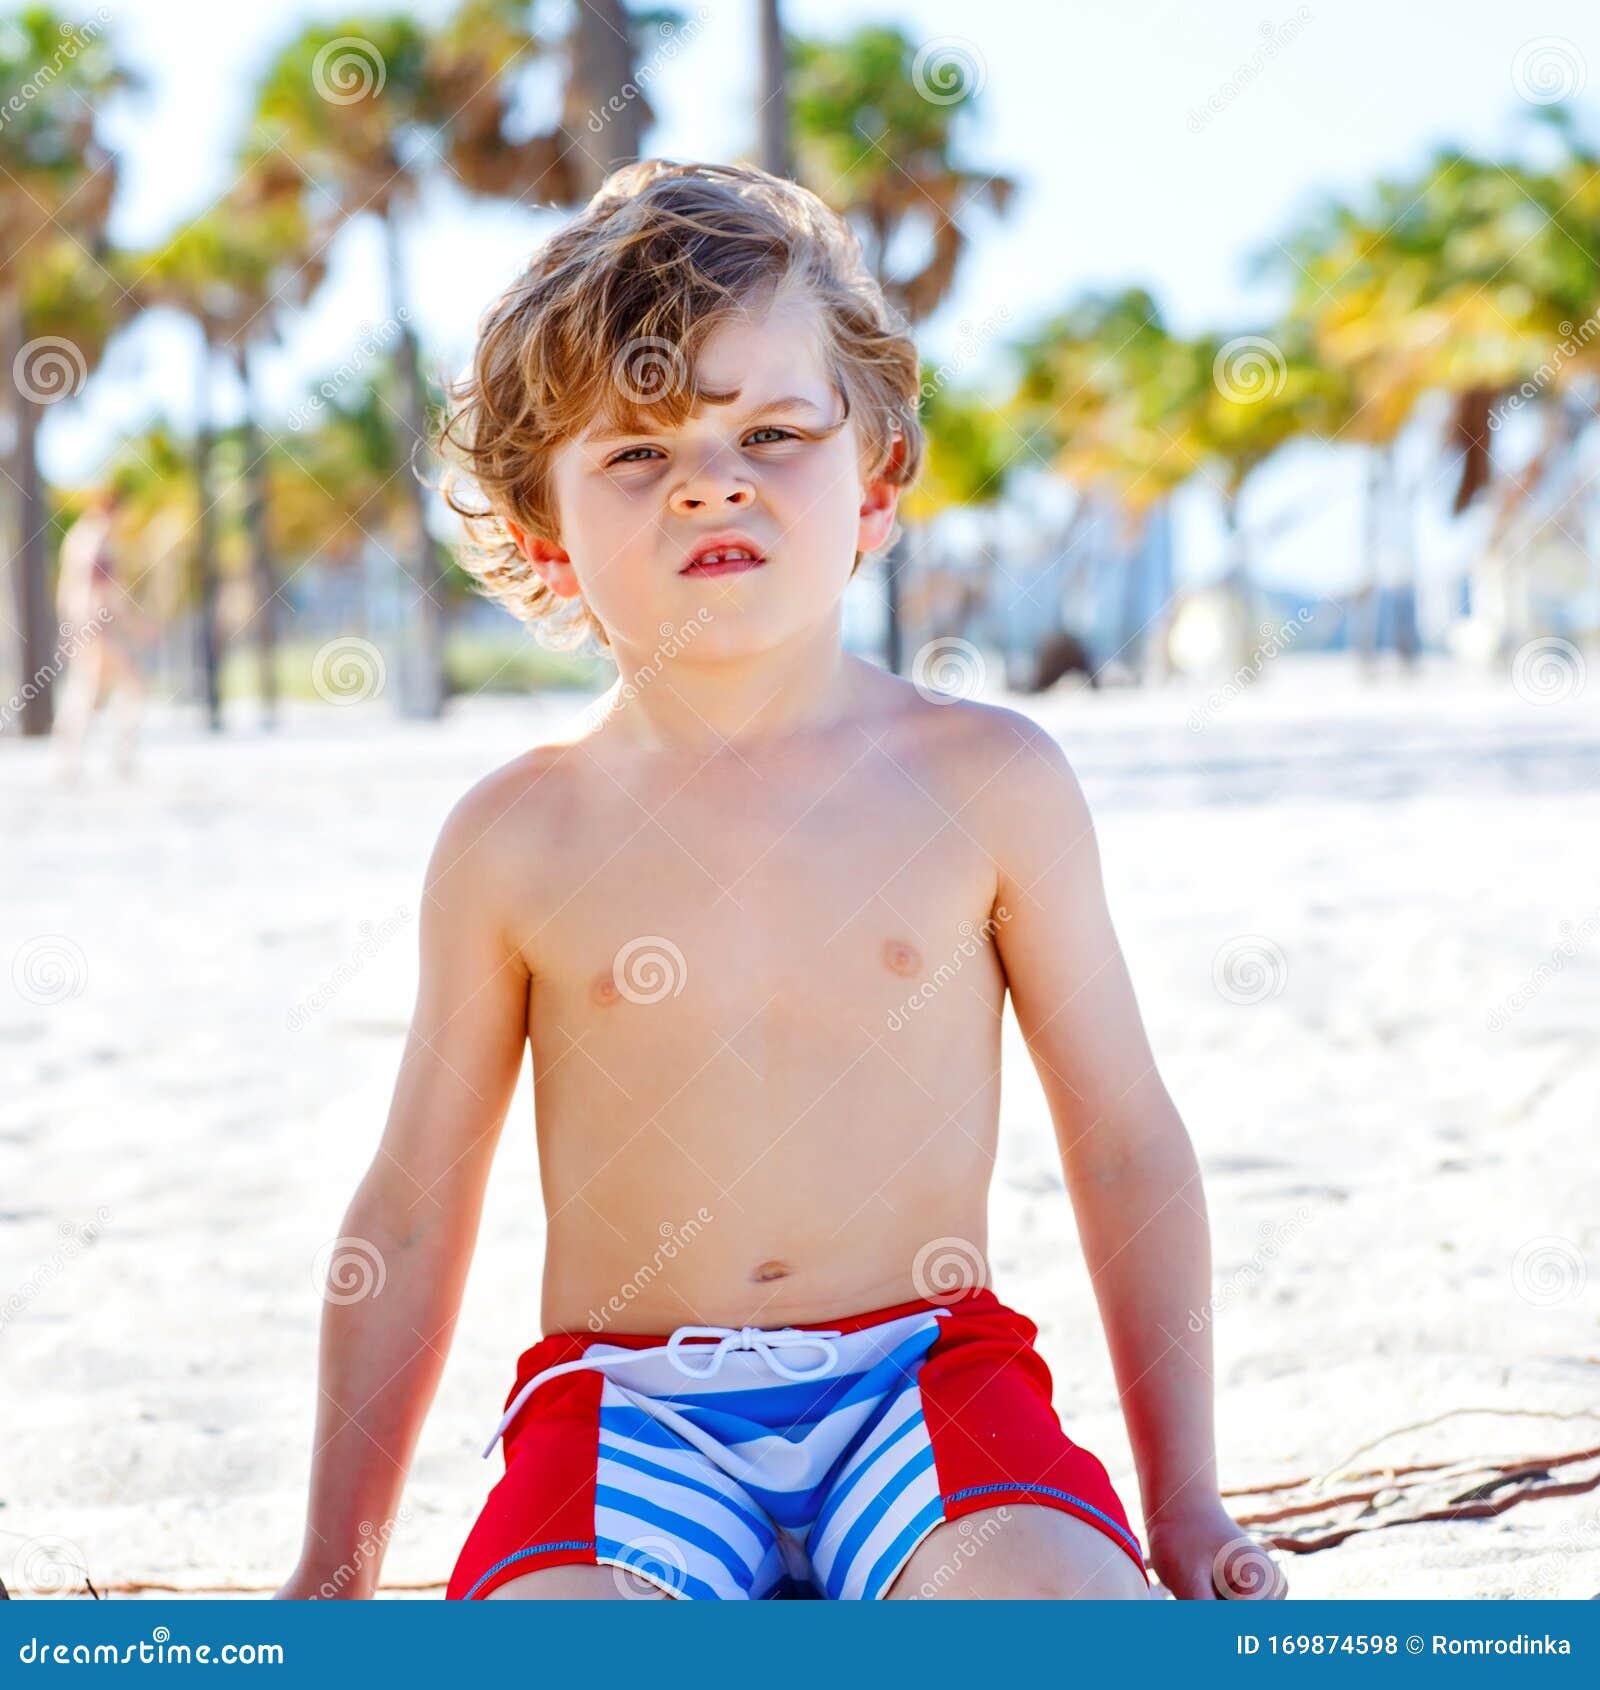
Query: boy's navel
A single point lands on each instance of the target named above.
(772, 1270)
(902, 957)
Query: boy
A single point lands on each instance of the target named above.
(722, 910)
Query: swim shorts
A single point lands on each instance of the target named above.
(793, 1462)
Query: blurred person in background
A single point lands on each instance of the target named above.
(100, 625)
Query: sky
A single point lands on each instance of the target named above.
(1154, 142)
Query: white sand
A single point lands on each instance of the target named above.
(1385, 1173)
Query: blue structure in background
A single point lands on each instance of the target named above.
(1104, 586)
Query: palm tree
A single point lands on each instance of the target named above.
(56, 184)
(1251, 395)
(970, 450)
(1114, 401)
(1130, 411)
(772, 117)
(194, 271)
(333, 487)
(153, 472)
(1464, 280)
(876, 133)
(278, 260)
(359, 105)
(69, 307)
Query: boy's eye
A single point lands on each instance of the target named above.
(774, 436)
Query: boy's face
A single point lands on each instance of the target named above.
(633, 507)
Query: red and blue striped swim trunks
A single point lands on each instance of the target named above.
(797, 1462)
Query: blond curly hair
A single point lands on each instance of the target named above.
(609, 316)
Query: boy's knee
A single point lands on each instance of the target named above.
(1021, 1553)
(575, 1584)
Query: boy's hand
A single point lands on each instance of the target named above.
(1203, 1554)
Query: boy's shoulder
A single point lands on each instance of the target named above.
(987, 761)
(1001, 755)
(527, 795)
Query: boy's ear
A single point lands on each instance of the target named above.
(879, 500)
(550, 563)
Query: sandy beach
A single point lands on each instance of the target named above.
(1364, 924)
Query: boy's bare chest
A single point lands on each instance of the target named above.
(744, 901)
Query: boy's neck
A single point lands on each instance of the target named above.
(689, 705)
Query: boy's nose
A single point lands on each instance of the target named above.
(712, 489)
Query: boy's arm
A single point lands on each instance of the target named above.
(1129, 1166)
(412, 1225)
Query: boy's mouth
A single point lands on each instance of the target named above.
(723, 554)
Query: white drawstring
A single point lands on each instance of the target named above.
(765, 1342)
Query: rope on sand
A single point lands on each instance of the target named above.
(1340, 1469)
(1436, 1491)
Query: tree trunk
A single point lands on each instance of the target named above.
(1369, 599)
(774, 114)
(1241, 589)
(261, 571)
(205, 548)
(422, 684)
(602, 82)
(893, 637)
(36, 643)
(1407, 634)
